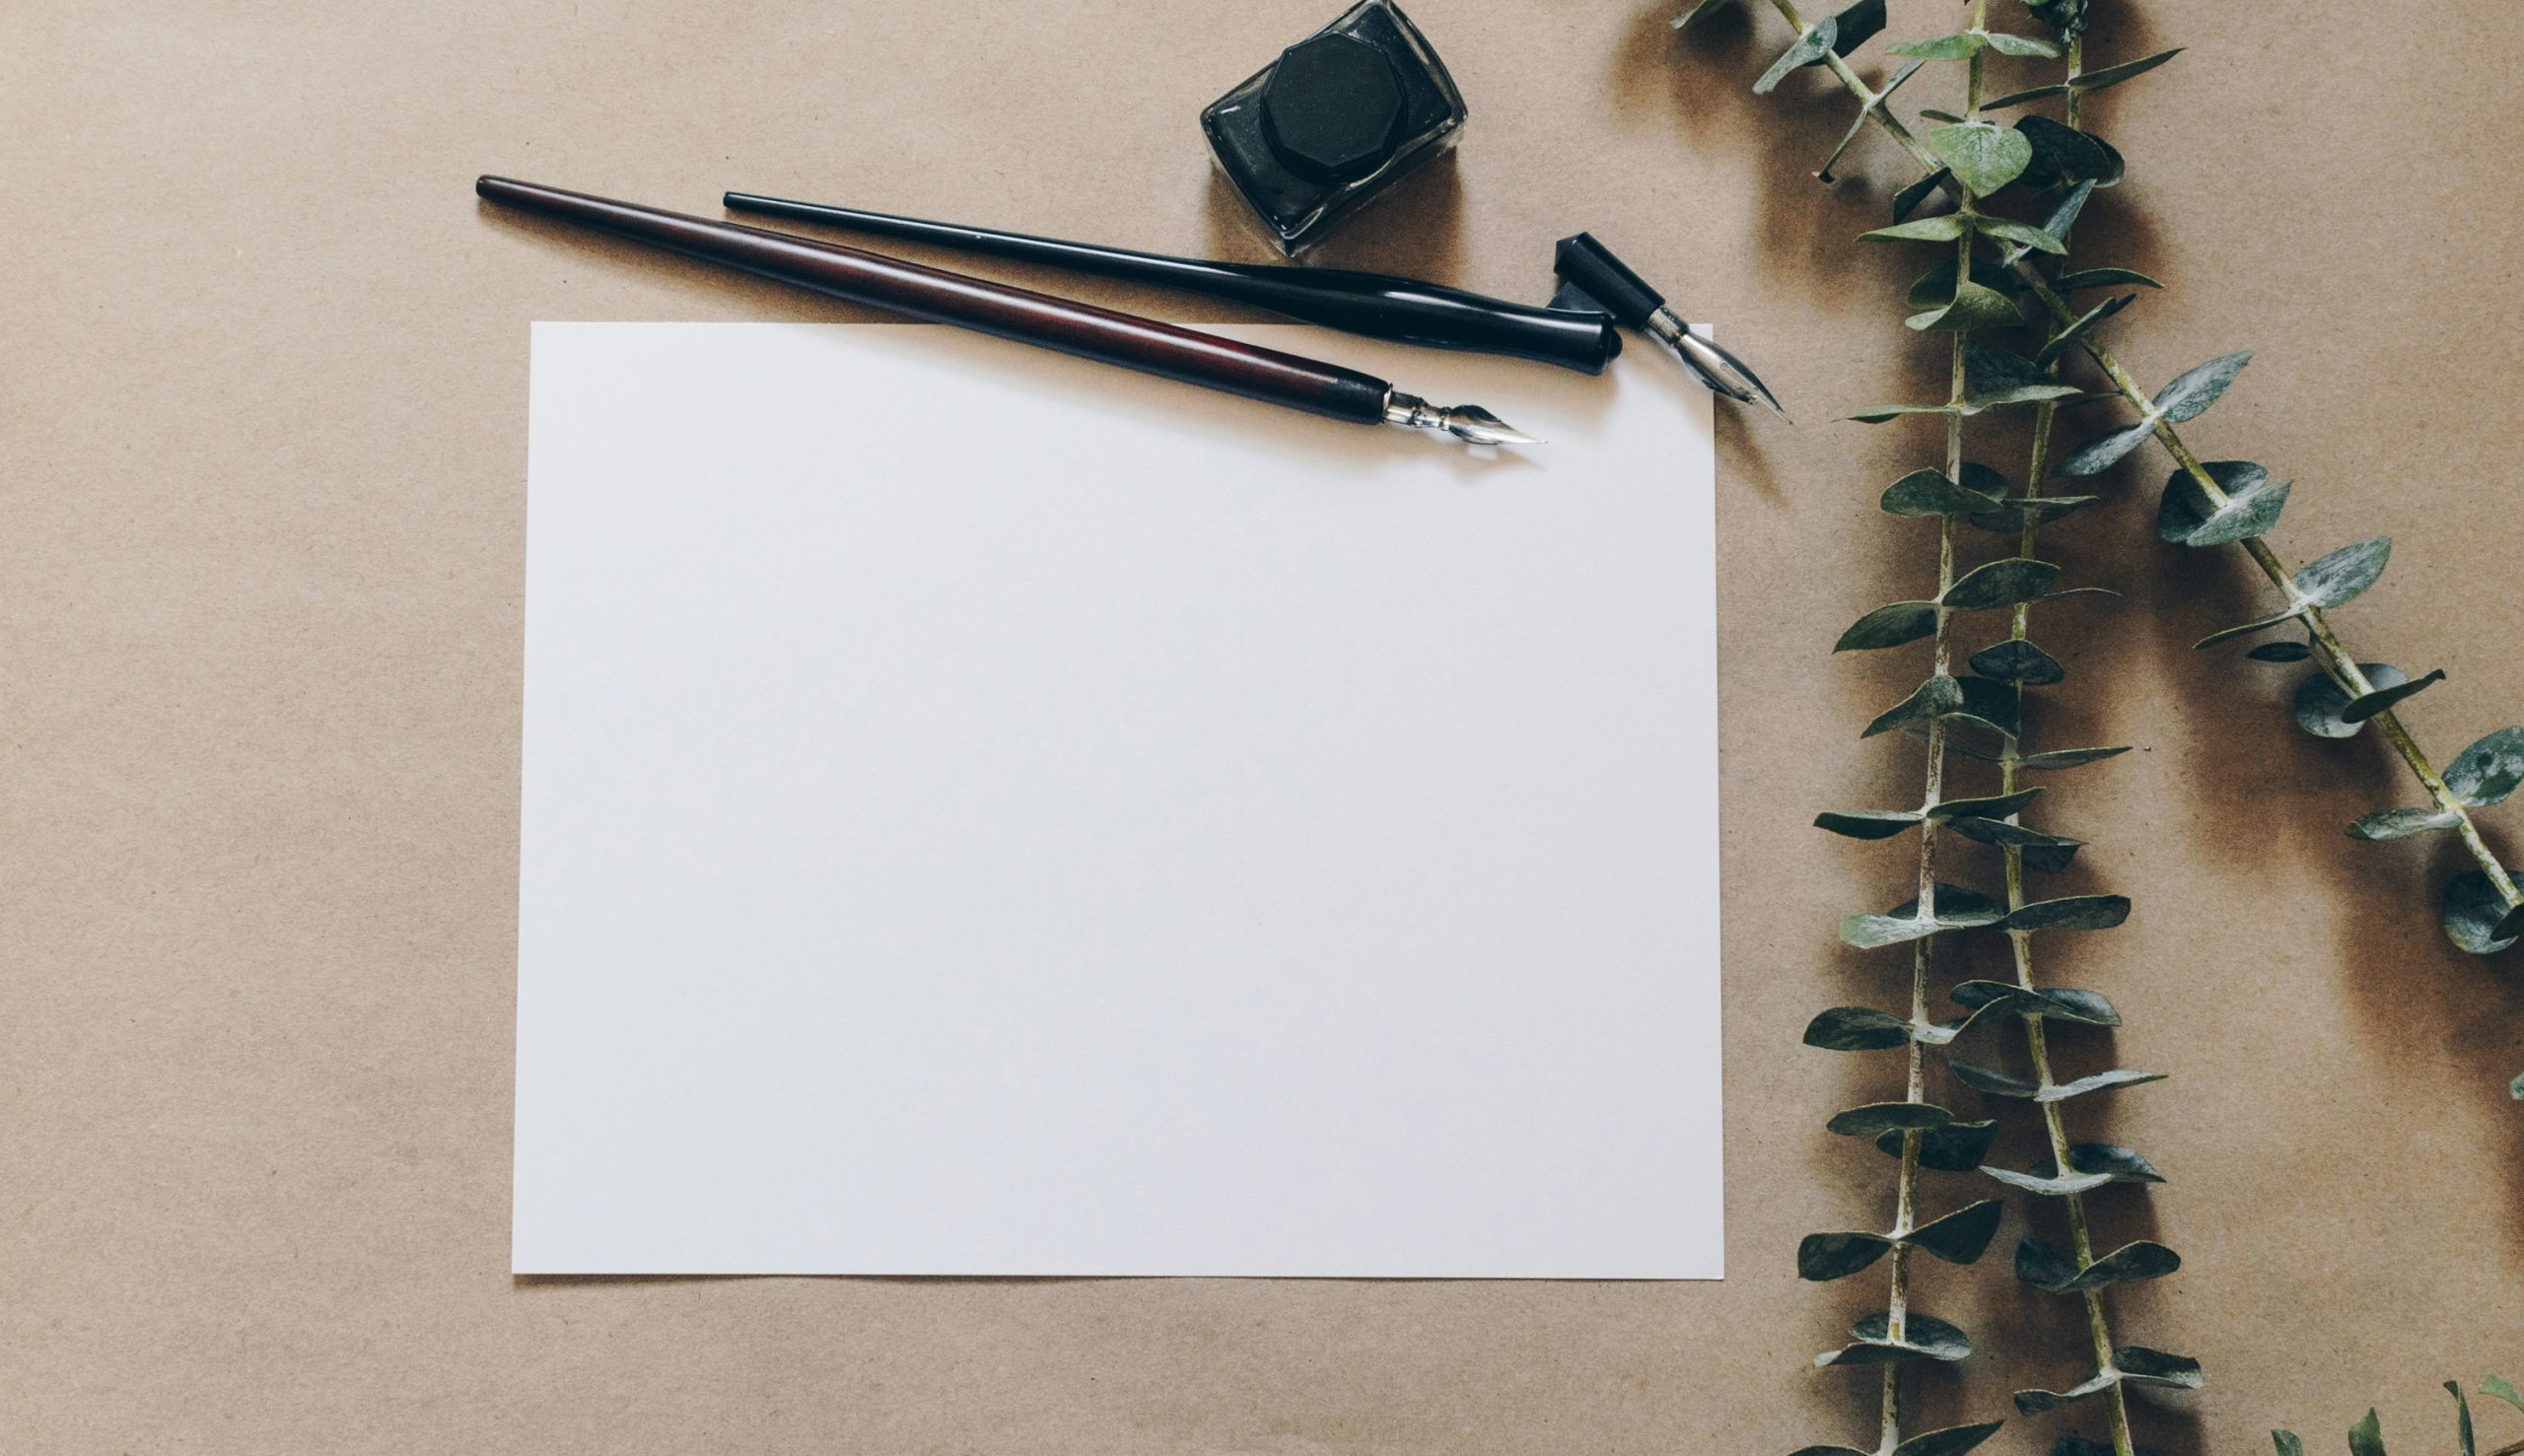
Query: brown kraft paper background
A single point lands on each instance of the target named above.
(263, 416)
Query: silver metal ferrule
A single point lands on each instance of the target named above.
(1413, 411)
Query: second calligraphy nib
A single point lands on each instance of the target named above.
(1589, 268)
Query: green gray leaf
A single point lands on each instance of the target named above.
(1856, 1030)
(1988, 806)
(1960, 1236)
(2185, 516)
(1946, 227)
(2476, 915)
(2143, 1367)
(2068, 758)
(1909, 198)
(2463, 1436)
(2105, 452)
(2006, 44)
(2102, 278)
(1957, 908)
(2024, 234)
(2067, 338)
(2093, 81)
(1811, 47)
(2284, 1440)
(2280, 652)
(1867, 824)
(2019, 661)
(2019, 98)
(1954, 1440)
(1877, 414)
(1822, 1257)
(2010, 516)
(2344, 574)
(2367, 1437)
(1859, 24)
(2503, 1389)
(2386, 824)
(2366, 705)
(2008, 1085)
(2321, 700)
(2057, 1004)
(2075, 912)
(1999, 584)
(1924, 1336)
(1971, 307)
(2280, 619)
(1879, 1117)
(2196, 389)
(2489, 770)
(2060, 156)
(1889, 626)
(1924, 493)
(1937, 285)
(1981, 157)
(1955, 1147)
(2055, 1272)
(2047, 853)
(1961, 46)
(1935, 697)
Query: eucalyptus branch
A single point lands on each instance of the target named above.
(2230, 502)
(1971, 161)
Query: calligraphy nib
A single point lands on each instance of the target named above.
(1720, 370)
(1469, 423)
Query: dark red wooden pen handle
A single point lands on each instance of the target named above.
(941, 297)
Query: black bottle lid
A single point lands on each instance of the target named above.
(1332, 109)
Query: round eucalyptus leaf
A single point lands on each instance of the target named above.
(2068, 758)
(1889, 626)
(1909, 198)
(1956, 1147)
(2067, 338)
(2186, 517)
(1946, 227)
(1811, 47)
(2366, 705)
(1932, 699)
(2124, 1165)
(2489, 770)
(1995, 806)
(1867, 823)
(2474, 915)
(1878, 1116)
(2006, 44)
(2102, 278)
(1973, 308)
(2344, 574)
(1961, 46)
(2101, 455)
(2019, 661)
(2280, 652)
(2386, 824)
(2320, 701)
(2196, 389)
(2075, 912)
(2015, 512)
(1998, 583)
(1929, 493)
(1981, 157)
(1856, 1030)
(2059, 155)
(1822, 1257)
(1954, 1440)
(2146, 1366)
(1960, 1236)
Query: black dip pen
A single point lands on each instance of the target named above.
(1029, 317)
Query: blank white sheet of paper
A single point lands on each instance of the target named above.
(991, 813)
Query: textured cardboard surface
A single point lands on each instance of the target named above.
(264, 426)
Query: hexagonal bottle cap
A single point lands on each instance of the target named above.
(1331, 107)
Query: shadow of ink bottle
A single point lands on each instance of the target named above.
(1334, 121)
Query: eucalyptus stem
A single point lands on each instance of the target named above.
(2331, 654)
(2036, 1037)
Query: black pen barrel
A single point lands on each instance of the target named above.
(1374, 305)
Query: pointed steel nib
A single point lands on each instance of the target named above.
(1721, 371)
(1469, 423)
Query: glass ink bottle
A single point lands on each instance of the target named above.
(1337, 120)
